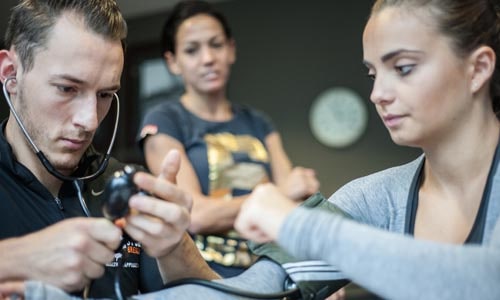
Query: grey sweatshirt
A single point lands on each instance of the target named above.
(396, 266)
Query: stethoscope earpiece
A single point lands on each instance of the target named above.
(8, 82)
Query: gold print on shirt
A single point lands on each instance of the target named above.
(224, 173)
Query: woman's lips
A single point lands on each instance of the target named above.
(392, 121)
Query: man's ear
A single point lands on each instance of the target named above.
(172, 63)
(8, 67)
(483, 61)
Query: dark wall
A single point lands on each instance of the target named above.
(5, 7)
(4, 108)
(288, 53)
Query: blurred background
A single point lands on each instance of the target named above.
(288, 52)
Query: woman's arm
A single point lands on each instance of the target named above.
(389, 264)
(264, 277)
(209, 214)
(392, 265)
(297, 183)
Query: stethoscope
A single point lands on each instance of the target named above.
(46, 163)
(76, 182)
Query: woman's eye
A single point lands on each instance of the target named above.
(404, 69)
(217, 44)
(190, 51)
(66, 89)
(371, 76)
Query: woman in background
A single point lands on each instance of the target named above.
(226, 148)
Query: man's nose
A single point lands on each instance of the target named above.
(86, 113)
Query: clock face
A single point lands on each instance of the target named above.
(338, 117)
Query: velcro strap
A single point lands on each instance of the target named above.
(315, 279)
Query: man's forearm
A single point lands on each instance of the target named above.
(185, 261)
(11, 264)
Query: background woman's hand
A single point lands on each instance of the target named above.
(300, 183)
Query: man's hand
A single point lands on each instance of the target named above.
(159, 220)
(338, 295)
(12, 290)
(68, 254)
(263, 213)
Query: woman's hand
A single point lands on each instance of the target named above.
(300, 183)
(263, 213)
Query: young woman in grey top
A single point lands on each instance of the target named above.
(437, 87)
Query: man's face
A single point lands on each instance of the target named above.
(69, 90)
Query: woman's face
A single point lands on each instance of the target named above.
(203, 55)
(420, 85)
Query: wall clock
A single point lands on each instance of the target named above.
(338, 117)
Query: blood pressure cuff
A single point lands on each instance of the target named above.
(315, 279)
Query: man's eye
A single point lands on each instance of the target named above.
(105, 96)
(371, 76)
(404, 69)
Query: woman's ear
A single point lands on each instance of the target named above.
(232, 49)
(483, 61)
(8, 68)
(172, 63)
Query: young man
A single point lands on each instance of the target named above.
(61, 68)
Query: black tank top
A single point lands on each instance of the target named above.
(476, 234)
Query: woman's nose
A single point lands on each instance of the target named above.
(382, 91)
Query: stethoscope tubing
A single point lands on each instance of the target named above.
(43, 159)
